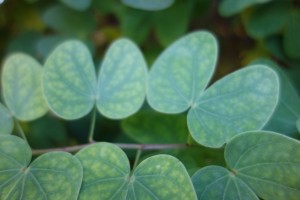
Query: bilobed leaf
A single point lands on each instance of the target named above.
(77, 4)
(241, 101)
(122, 80)
(264, 163)
(231, 7)
(153, 127)
(53, 176)
(70, 80)
(149, 4)
(6, 120)
(291, 42)
(22, 87)
(181, 73)
(288, 109)
(107, 173)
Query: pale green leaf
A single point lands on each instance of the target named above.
(122, 80)
(181, 73)
(241, 101)
(263, 163)
(79, 5)
(288, 109)
(153, 127)
(52, 176)
(291, 42)
(6, 120)
(231, 7)
(70, 80)
(107, 174)
(22, 87)
(214, 183)
(149, 4)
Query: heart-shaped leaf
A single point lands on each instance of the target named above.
(181, 73)
(152, 127)
(77, 4)
(263, 163)
(22, 87)
(122, 80)
(70, 80)
(6, 120)
(149, 4)
(241, 101)
(55, 175)
(106, 172)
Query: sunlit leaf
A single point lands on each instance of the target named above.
(106, 172)
(6, 120)
(70, 80)
(149, 4)
(22, 90)
(122, 80)
(291, 42)
(53, 176)
(153, 127)
(181, 73)
(241, 101)
(263, 163)
(79, 5)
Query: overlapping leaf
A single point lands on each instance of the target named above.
(6, 120)
(149, 4)
(107, 173)
(53, 176)
(260, 163)
(22, 90)
(77, 4)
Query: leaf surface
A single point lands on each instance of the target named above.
(122, 80)
(22, 87)
(77, 4)
(6, 120)
(149, 4)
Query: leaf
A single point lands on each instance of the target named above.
(268, 19)
(70, 22)
(107, 173)
(77, 4)
(181, 73)
(153, 127)
(264, 163)
(47, 44)
(122, 80)
(149, 4)
(70, 80)
(231, 7)
(242, 101)
(288, 109)
(53, 176)
(291, 42)
(22, 90)
(6, 121)
(298, 125)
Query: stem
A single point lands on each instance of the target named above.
(20, 130)
(189, 140)
(92, 127)
(136, 160)
(142, 147)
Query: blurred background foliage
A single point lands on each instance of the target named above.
(246, 30)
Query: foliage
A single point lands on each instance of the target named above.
(176, 114)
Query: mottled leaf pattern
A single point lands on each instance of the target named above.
(6, 120)
(52, 176)
(22, 90)
(107, 174)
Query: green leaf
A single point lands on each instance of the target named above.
(6, 121)
(106, 172)
(45, 45)
(153, 127)
(291, 42)
(70, 80)
(268, 19)
(149, 4)
(70, 22)
(241, 101)
(181, 73)
(231, 7)
(264, 163)
(77, 4)
(122, 80)
(288, 109)
(53, 176)
(22, 87)
(298, 125)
